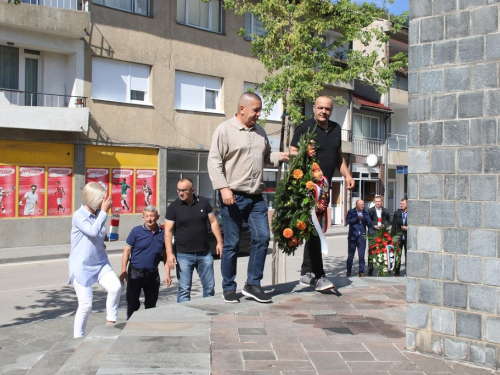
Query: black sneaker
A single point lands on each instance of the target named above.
(230, 296)
(256, 293)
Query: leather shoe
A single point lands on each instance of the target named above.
(396, 275)
(370, 273)
(361, 274)
(348, 274)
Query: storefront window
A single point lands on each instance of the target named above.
(189, 164)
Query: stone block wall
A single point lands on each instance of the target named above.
(453, 283)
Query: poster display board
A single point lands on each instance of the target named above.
(31, 191)
(7, 191)
(122, 190)
(59, 191)
(145, 186)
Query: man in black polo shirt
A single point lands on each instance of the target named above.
(144, 248)
(186, 218)
(329, 155)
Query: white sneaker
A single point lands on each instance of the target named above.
(307, 279)
(323, 284)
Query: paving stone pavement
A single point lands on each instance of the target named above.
(357, 329)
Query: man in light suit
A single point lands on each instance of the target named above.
(400, 223)
(380, 218)
(358, 220)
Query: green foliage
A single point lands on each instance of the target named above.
(295, 54)
(294, 202)
(15, 1)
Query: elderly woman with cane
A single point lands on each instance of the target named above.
(88, 261)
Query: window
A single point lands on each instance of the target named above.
(133, 6)
(339, 52)
(120, 82)
(253, 26)
(365, 127)
(195, 92)
(275, 114)
(9, 67)
(189, 164)
(207, 16)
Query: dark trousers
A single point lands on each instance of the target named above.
(138, 281)
(313, 258)
(403, 246)
(360, 244)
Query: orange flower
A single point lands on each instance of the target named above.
(301, 225)
(317, 174)
(309, 185)
(315, 166)
(298, 174)
(288, 233)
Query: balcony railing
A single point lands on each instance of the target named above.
(400, 82)
(37, 99)
(346, 135)
(62, 4)
(367, 146)
(397, 142)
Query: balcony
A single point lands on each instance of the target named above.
(67, 18)
(346, 141)
(367, 146)
(400, 82)
(61, 4)
(40, 111)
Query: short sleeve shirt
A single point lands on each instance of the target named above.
(190, 224)
(147, 247)
(328, 143)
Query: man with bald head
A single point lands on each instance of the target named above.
(358, 220)
(238, 152)
(327, 135)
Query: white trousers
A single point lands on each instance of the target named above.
(84, 294)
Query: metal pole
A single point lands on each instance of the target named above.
(275, 253)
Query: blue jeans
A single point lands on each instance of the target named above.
(253, 210)
(204, 264)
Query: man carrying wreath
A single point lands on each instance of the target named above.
(327, 137)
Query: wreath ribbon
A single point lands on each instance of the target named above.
(390, 265)
(320, 227)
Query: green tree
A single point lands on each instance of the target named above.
(297, 59)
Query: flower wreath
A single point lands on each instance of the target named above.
(302, 191)
(384, 251)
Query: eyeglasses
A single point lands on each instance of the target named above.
(183, 190)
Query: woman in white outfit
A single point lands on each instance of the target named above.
(88, 261)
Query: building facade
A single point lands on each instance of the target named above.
(127, 94)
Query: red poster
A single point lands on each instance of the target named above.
(145, 188)
(7, 193)
(99, 175)
(122, 190)
(60, 186)
(31, 191)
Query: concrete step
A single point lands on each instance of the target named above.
(91, 353)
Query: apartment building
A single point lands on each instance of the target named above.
(124, 93)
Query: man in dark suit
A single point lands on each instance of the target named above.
(400, 223)
(358, 220)
(380, 218)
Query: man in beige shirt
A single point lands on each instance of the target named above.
(239, 150)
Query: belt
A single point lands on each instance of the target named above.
(144, 271)
(243, 193)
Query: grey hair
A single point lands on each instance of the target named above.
(93, 195)
(150, 208)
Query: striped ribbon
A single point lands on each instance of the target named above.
(320, 227)
(390, 264)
